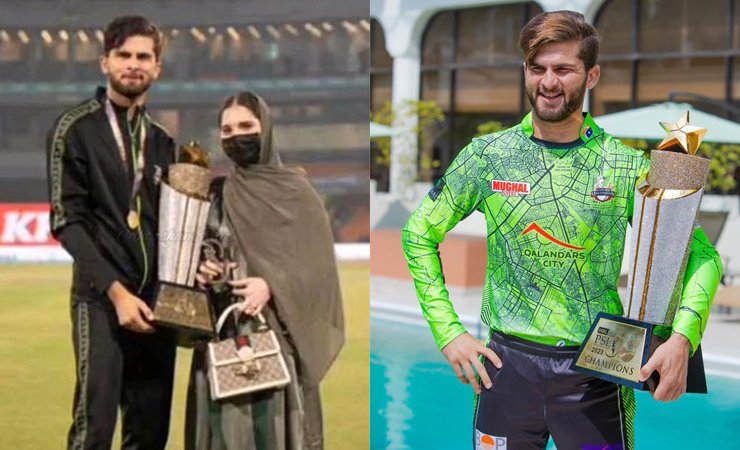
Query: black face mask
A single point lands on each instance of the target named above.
(243, 149)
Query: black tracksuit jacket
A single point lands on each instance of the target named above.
(89, 191)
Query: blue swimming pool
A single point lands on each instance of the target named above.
(417, 403)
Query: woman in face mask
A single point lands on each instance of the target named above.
(275, 229)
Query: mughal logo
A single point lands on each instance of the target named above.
(485, 441)
(602, 193)
(510, 188)
(551, 258)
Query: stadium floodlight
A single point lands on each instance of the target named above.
(349, 26)
(46, 36)
(211, 30)
(23, 36)
(311, 28)
(365, 24)
(291, 29)
(255, 32)
(174, 32)
(99, 35)
(4, 36)
(198, 35)
(82, 36)
(273, 31)
(327, 26)
(233, 33)
(63, 35)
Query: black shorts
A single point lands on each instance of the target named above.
(535, 395)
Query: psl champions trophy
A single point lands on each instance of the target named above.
(183, 213)
(666, 205)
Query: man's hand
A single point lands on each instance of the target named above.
(209, 271)
(671, 360)
(132, 312)
(255, 291)
(462, 354)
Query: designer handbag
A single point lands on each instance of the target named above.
(247, 363)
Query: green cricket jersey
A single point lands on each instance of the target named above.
(556, 218)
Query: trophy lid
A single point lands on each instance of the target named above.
(682, 137)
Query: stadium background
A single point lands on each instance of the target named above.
(309, 61)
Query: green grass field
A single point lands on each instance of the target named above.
(37, 377)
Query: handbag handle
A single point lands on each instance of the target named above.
(225, 315)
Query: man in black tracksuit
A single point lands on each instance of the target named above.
(106, 158)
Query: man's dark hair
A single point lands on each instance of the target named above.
(122, 28)
(556, 27)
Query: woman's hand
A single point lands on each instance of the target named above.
(255, 291)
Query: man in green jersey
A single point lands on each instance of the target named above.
(557, 193)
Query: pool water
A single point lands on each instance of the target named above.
(416, 402)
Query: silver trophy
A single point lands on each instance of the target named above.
(666, 206)
(183, 214)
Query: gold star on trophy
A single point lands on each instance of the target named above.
(682, 137)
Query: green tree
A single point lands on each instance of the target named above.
(426, 129)
(489, 127)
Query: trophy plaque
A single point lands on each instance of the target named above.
(666, 206)
(183, 213)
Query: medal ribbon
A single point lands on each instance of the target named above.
(137, 156)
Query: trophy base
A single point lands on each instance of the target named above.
(185, 309)
(616, 347)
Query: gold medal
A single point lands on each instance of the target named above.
(133, 219)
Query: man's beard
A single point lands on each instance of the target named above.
(130, 92)
(559, 114)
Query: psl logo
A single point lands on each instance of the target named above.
(485, 441)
